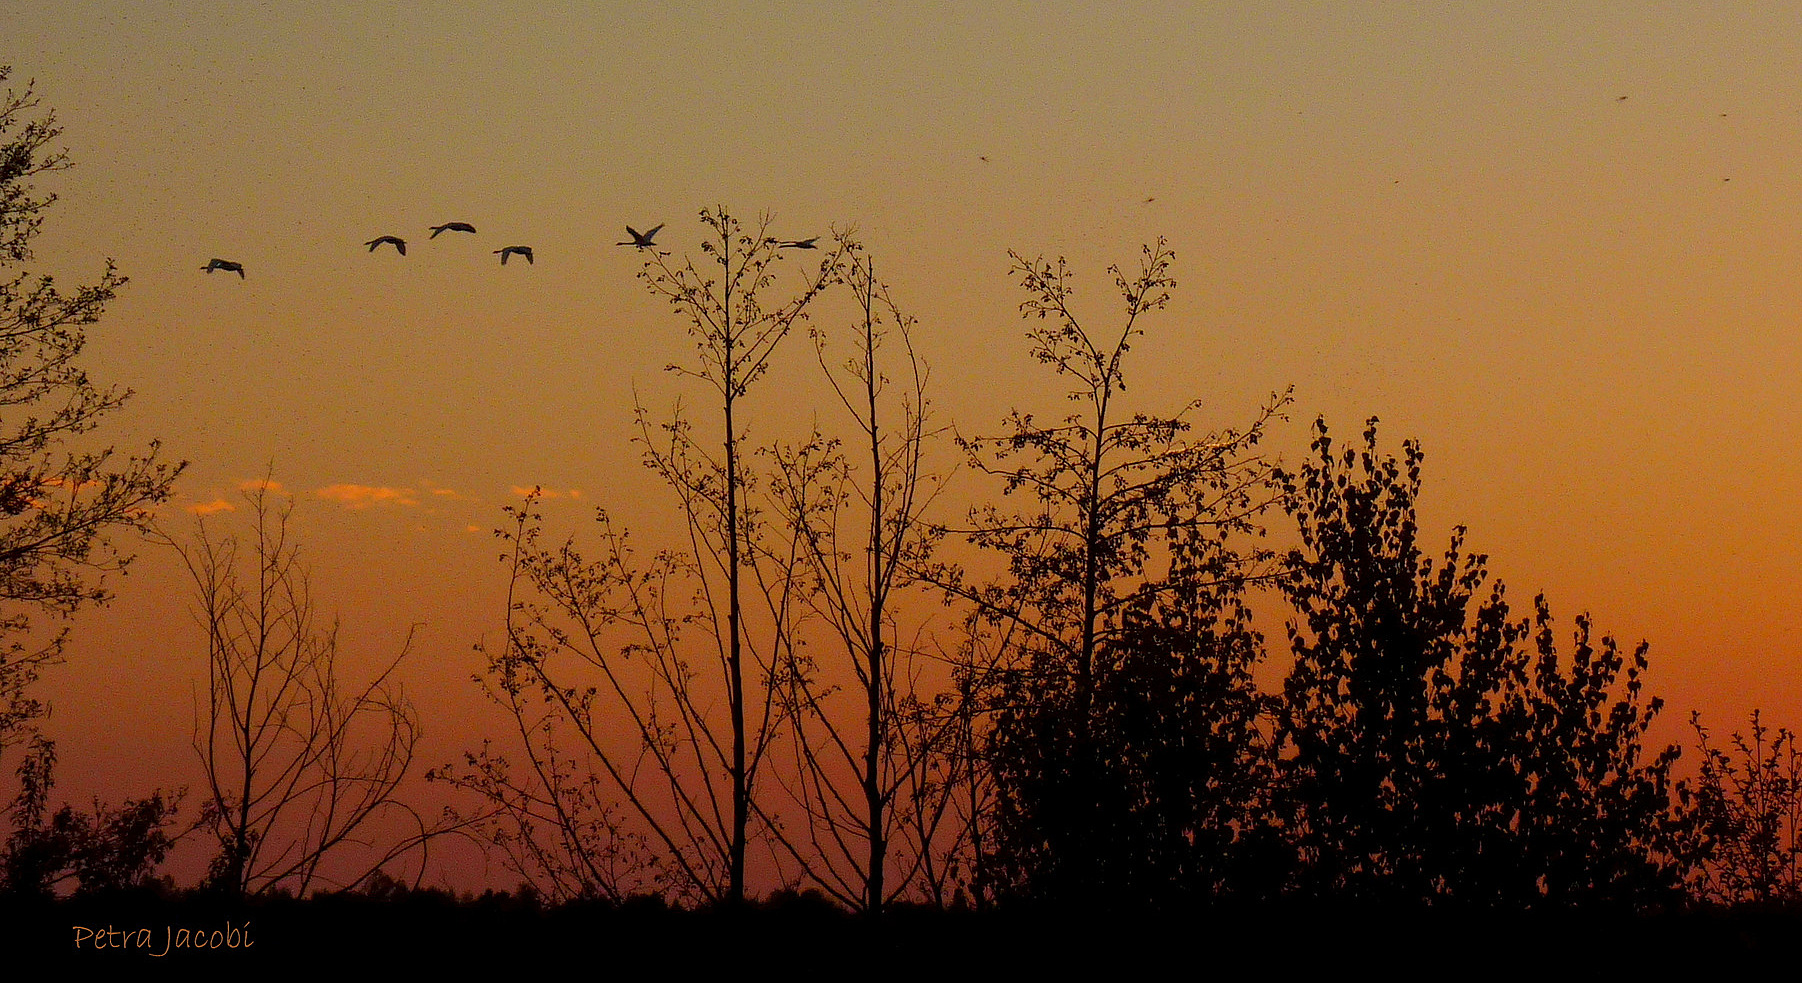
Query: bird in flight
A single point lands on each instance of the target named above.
(451, 227)
(801, 243)
(226, 265)
(400, 245)
(640, 239)
(525, 251)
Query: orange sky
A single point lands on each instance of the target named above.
(1582, 305)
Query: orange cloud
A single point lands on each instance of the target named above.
(522, 491)
(216, 505)
(60, 482)
(263, 484)
(363, 496)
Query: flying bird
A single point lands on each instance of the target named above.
(640, 239)
(400, 245)
(801, 243)
(451, 227)
(525, 251)
(226, 265)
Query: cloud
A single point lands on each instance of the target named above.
(363, 496)
(61, 482)
(522, 491)
(216, 505)
(261, 484)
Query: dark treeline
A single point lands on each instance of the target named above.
(844, 697)
(1082, 728)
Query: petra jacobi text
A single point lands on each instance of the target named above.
(163, 941)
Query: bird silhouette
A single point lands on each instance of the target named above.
(640, 239)
(226, 265)
(400, 245)
(451, 227)
(525, 251)
(801, 243)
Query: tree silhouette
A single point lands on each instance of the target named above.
(59, 503)
(613, 643)
(107, 850)
(554, 818)
(1436, 753)
(299, 770)
(1748, 808)
(735, 336)
(862, 534)
(1134, 524)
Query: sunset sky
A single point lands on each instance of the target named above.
(1555, 245)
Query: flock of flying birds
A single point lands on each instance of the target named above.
(639, 240)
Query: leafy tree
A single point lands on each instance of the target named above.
(1441, 753)
(1176, 791)
(1123, 588)
(103, 851)
(59, 502)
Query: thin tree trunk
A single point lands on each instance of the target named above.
(735, 684)
(872, 785)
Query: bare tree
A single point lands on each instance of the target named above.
(299, 769)
(866, 778)
(1747, 810)
(554, 819)
(58, 503)
(616, 642)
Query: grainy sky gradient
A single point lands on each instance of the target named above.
(1583, 305)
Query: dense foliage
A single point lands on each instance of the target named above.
(1439, 749)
